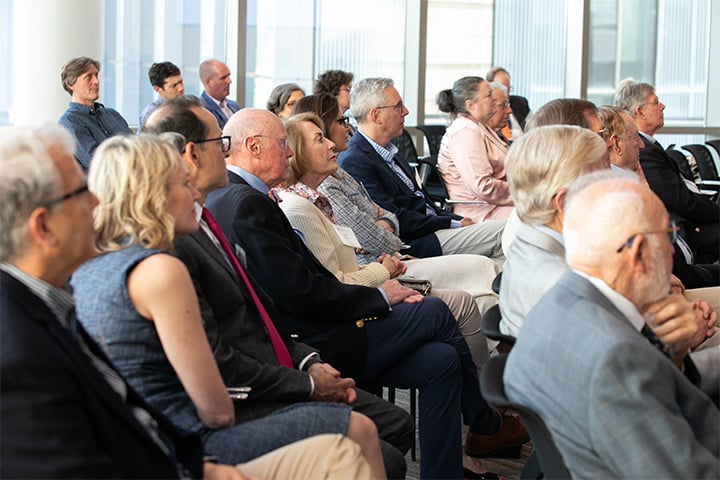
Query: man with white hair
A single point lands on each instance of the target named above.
(616, 404)
(375, 162)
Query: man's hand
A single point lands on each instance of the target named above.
(676, 285)
(673, 321)
(392, 264)
(329, 386)
(214, 471)
(467, 221)
(396, 293)
(705, 318)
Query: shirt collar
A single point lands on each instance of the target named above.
(251, 179)
(79, 107)
(303, 191)
(387, 152)
(649, 138)
(625, 306)
(58, 300)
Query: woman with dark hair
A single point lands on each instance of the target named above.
(471, 154)
(283, 98)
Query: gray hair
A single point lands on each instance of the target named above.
(631, 94)
(545, 160)
(498, 86)
(453, 100)
(367, 94)
(28, 179)
(594, 228)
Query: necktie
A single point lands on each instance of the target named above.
(652, 338)
(281, 351)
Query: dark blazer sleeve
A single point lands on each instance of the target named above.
(664, 179)
(386, 190)
(235, 330)
(284, 267)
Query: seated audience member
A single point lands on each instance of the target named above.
(376, 229)
(382, 336)
(166, 80)
(541, 165)
(336, 83)
(89, 121)
(471, 153)
(310, 213)
(374, 161)
(625, 154)
(283, 98)
(499, 120)
(155, 340)
(615, 402)
(698, 217)
(64, 410)
(215, 78)
(231, 308)
(519, 105)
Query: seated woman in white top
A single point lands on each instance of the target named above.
(471, 158)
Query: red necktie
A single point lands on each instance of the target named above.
(281, 351)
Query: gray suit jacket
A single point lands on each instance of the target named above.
(535, 262)
(237, 334)
(616, 407)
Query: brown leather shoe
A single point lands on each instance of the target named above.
(506, 442)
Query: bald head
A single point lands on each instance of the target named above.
(615, 229)
(259, 145)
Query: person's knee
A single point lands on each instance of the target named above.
(443, 363)
(362, 429)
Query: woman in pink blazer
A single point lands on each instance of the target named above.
(471, 158)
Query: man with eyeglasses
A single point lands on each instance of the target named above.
(611, 388)
(375, 162)
(233, 322)
(698, 217)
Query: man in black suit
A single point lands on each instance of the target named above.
(64, 410)
(698, 216)
(386, 336)
(376, 163)
(233, 324)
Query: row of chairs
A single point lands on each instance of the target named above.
(700, 164)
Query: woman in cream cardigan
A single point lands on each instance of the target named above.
(310, 213)
(471, 158)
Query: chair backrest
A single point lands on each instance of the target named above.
(433, 135)
(682, 162)
(431, 180)
(493, 388)
(715, 150)
(490, 326)
(407, 147)
(704, 159)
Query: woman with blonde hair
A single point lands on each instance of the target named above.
(139, 303)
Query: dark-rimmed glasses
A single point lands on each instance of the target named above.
(282, 140)
(226, 142)
(671, 232)
(398, 107)
(78, 191)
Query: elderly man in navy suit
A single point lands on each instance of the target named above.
(590, 359)
(375, 162)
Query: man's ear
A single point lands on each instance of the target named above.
(253, 146)
(558, 200)
(190, 154)
(157, 89)
(615, 144)
(39, 228)
(634, 252)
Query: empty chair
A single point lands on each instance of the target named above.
(682, 162)
(433, 135)
(491, 327)
(548, 456)
(705, 161)
(406, 145)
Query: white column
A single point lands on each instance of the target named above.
(47, 33)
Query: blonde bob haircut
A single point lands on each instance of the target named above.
(546, 160)
(129, 175)
(299, 163)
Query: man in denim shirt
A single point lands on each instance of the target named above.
(89, 121)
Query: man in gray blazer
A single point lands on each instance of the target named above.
(235, 329)
(616, 404)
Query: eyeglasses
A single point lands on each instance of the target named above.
(283, 141)
(670, 231)
(602, 132)
(654, 104)
(226, 142)
(398, 107)
(78, 191)
(343, 121)
(502, 105)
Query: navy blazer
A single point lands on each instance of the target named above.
(59, 416)
(214, 108)
(315, 304)
(417, 228)
(520, 108)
